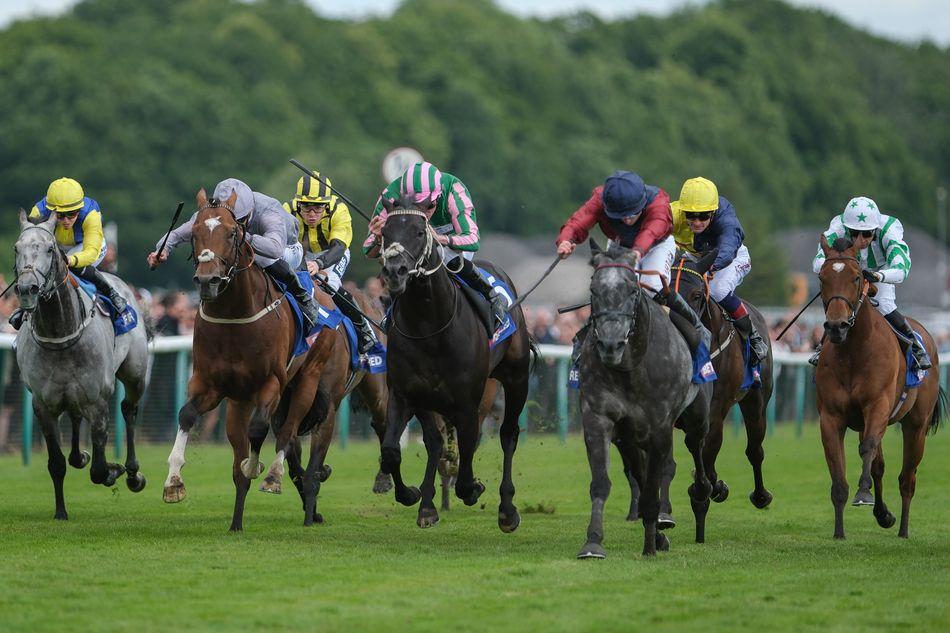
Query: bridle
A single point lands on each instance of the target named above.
(395, 249)
(44, 293)
(854, 307)
(595, 317)
(207, 255)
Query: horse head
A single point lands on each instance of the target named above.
(407, 244)
(614, 299)
(217, 239)
(39, 260)
(689, 279)
(843, 288)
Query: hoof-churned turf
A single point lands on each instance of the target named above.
(130, 562)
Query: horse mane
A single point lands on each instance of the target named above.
(842, 244)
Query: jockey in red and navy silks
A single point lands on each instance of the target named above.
(636, 216)
(702, 221)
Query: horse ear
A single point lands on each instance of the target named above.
(595, 248)
(706, 261)
(232, 199)
(201, 198)
(388, 204)
(24, 220)
(825, 247)
(50, 222)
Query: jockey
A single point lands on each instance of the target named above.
(271, 232)
(326, 230)
(451, 215)
(635, 216)
(79, 232)
(702, 221)
(884, 259)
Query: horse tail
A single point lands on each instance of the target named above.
(535, 354)
(146, 318)
(940, 411)
(317, 413)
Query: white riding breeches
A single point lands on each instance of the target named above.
(728, 279)
(886, 298)
(75, 250)
(658, 258)
(293, 255)
(336, 271)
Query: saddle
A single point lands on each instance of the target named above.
(480, 305)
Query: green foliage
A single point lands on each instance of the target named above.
(789, 111)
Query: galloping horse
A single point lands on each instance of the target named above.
(243, 344)
(69, 357)
(635, 384)
(689, 279)
(439, 361)
(860, 384)
(337, 381)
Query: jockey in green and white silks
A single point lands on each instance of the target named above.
(884, 257)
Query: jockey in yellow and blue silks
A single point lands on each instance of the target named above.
(326, 230)
(79, 232)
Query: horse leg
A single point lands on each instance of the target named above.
(286, 434)
(516, 394)
(832, 439)
(884, 516)
(374, 392)
(397, 417)
(55, 461)
(875, 423)
(201, 400)
(130, 408)
(700, 489)
(316, 472)
(102, 471)
(753, 416)
(467, 487)
(449, 462)
(711, 448)
(77, 458)
(633, 514)
(428, 515)
(914, 437)
(650, 492)
(665, 518)
(238, 418)
(597, 432)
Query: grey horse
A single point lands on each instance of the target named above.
(635, 384)
(69, 357)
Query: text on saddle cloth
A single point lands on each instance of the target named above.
(121, 323)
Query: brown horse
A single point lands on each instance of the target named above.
(860, 385)
(243, 343)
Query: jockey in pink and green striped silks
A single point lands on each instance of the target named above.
(452, 218)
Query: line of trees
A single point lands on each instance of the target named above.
(789, 111)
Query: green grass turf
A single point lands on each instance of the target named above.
(130, 562)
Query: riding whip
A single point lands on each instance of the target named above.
(296, 163)
(573, 307)
(518, 301)
(818, 294)
(333, 293)
(3, 294)
(161, 248)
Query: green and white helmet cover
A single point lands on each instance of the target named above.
(861, 214)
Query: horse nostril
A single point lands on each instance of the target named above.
(402, 270)
(215, 280)
(34, 289)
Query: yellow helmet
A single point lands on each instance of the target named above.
(699, 195)
(64, 195)
(313, 191)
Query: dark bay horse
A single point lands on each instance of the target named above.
(689, 279)
(860, 386)
(243, 341)
(635, 384)
(337, 381)
(70, 357)
(439, 361)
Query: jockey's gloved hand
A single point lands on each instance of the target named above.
(872, 276)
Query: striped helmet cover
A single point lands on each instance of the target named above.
(421, 181)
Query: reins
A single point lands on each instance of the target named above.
(854, 307)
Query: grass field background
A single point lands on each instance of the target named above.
(130, 562)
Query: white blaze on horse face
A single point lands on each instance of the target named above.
(837, 267)
(176, 460)
(207, 255)
(211, 223)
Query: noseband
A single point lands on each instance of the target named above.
(619, 314)
(45, 293)
(851, 306)
(395, 249)
(207, 255)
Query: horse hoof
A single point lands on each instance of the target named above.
(270, 485)
(592, 550)
(246, 469)
(318, 518)
(508, 524)
(662, 542)
(477, 489)
(81, 461)
(175, 491)
(61, 516)
(863, 498)
(428, 517)
(665, 521)
(324, 472)
(760, 500)
(137, 483)
(720, 492)
(383, 483)
(633, 516)
(409, 497)
(887, 520)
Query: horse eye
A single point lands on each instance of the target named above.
(49, 249)
(420, 234)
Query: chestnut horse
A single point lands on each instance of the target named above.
(860, 386)
(243, 344)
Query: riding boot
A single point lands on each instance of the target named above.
(16, 319)
(899, 322)
(677, 304)
(578, 343)
(92, 274)
(281, 271)
(478, 280)
(347, 305)
(760, 349)
(814, 357)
